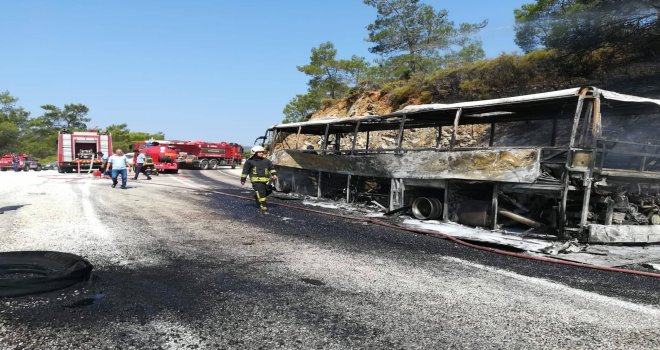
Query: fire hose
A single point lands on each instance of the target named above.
(455, 240)
(448, 237)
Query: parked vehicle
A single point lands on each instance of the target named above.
(50, 166)
(78, 149)
(25, 163)
(207, 155)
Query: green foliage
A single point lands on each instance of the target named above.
(425, 97)
(13, 121)
(324, 70)
(469, 53)
(330, 77)
(400, 95)
(411, 35)
(425, 57)
(41, 139)
(38, 136)
(72, 117)
(301, 107)
(354, 70)
(474, 89)
(8, 136)
(123, 138)
(582, 27)
(507, 74)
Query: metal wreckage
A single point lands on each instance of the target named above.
(581, 163)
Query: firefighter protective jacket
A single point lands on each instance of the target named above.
(259, 169)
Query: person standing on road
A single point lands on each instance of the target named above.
(119, 164)
(104, 166)
(104, 161)
(139, 166)
(261, 171)
(15, 162)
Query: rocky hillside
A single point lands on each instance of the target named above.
(640, 80)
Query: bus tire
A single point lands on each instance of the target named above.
(31, 272)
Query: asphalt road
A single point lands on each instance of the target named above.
(180, 264)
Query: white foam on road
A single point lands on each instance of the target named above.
(549, 285)
(190, 184)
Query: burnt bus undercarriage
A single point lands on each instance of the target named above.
(579, 163)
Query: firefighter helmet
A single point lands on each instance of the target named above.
(256, 149)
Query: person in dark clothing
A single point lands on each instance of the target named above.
(103, 160)
(140, 167)
(15, 162)
(104, 165)
(261, 171)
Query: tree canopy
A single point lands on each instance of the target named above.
(414, 34)
(13, 121)
(410, 37)
(38, 136)
(300, 107)
(629, 28)
(123, 138)
(330, 78)
(72, 117)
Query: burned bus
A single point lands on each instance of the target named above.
(577, 163)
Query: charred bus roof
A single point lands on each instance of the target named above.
(542, 106)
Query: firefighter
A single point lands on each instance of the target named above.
(261, 171)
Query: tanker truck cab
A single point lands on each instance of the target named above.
(161, 155)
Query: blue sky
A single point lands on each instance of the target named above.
(193, 69)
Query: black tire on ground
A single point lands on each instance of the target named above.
(204, 164)
(26, 168)
(38, 168)
(213, 164)
(61, 170)
(233, 165)
(31, 272)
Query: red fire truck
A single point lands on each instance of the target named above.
(161, 152)
(25, 162)
(78, 150)
(207, 155)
